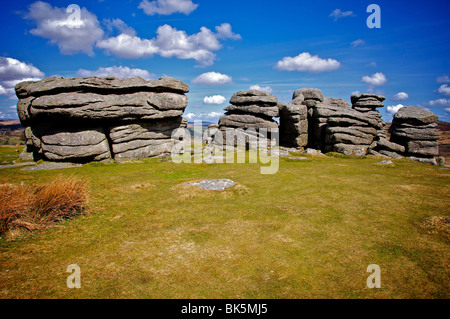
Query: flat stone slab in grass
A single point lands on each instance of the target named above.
(214, 184)
(298, 158)
(17, 165)
(385, 163)
(50, 166)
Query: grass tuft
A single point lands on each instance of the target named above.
(37, 207)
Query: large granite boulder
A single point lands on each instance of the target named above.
(250, 110)
(415, 129)
(100, 118)
(294, 123)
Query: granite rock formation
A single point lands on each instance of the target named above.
(250, 109)
(415, 129)
(96, 119)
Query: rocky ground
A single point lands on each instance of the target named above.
(12, 132)
(444, 142)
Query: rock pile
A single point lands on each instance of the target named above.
(334, 126)
(368, 104)
(95, 119)
(415, 129)
(250, 109)
(294, 123)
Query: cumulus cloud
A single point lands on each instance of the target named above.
(267, 89)
(3, 90)
(167, 7)
(118, 24)
(305, 62)
(212, 116)
(169, 42)
(224, 32)
(212, 79)
(215, 99)
(392, 109)
(437, 103)
(443, 79)
(444, 89)
(71, 35)
(337, 14)
(128, 46)
(375, 79)
(400, 96)
(358, 42)
(117, 71)
(13, 71)
(447, 110)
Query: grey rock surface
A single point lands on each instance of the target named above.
(214, 184)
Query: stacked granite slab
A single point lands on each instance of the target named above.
(348, 131)
(294, 123)
(251, 109)
(368, 104)
(95, 119)
(317, 124)
(311, 97)
(415, 129)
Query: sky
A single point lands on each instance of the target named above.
(222, 47)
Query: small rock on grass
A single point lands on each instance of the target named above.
(50, 166)
(388, 162)
(214, 184)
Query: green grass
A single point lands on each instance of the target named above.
(309, 231)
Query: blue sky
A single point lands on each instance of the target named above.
(221, 47)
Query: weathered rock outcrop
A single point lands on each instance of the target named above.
(294, 123)
(415, 129)
(250, 109)
(94, 119)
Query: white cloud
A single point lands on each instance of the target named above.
(224, 32)
(447, 109)
(443, 79)
(56, 24)
(337, 14)
(167, 7)
(119, 25)
(305, 62)
(211, 117)
(375, 79)
(212, 79)
(215, 99)
(117, 71)
(168, 43)
(13, 71)
(128, 46)
(392, 109)
(400, 96)
(358, 42)
(373, 64)
(199, 46)
(3, 91)
(437, 103)
(444, 89)
(267, 89)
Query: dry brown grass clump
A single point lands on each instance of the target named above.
(35, 207)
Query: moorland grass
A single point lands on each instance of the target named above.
(308, 231)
